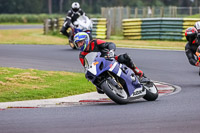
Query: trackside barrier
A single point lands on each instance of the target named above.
(99, 29)
(157, 28)
(50, 25)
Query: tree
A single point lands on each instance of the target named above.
(50, 6)
(60, 6)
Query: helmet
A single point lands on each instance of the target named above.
(197, 26)
(75, 6)
(191, 34)
(79, 37)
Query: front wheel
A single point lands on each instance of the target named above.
(151, 91)
(72, 45)
(118, 95)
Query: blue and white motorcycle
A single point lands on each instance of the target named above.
(116, 80)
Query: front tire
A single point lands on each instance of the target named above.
(118, 95)
(151, 91)
(72, 45)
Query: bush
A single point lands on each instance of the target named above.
(26, 18)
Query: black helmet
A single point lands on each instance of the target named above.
(75, 6)
(191, 34)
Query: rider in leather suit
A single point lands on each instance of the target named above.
(197, 26)
(192, 46)
(81, 40)
(71, 17)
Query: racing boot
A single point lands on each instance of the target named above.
(125, 58)
(138, 72)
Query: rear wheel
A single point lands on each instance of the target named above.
(117, 94)
(151, 91)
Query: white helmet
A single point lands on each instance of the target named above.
(75, 6)
(197, 26)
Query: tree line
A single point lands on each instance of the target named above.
(89, 6)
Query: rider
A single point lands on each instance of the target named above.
(81, 41)
(197, 26)
(71, 17)
(191, 48)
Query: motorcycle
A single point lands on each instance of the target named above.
(82, 24)
(117, 80)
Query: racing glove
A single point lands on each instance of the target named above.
(197, 64)
(138, 72)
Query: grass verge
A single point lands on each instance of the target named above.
(29, 36)
(27, 84)
(36, 36)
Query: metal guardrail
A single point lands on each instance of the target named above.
(157, 28)
(99, 29)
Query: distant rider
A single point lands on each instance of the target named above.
(81, 41)
(71, 17)
(197, 26)
(191, 48)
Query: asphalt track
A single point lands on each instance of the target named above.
(28, 26)
(178, 113)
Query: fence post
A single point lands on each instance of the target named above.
(199, 9)
(103, 12)
(52, 25)
(128, 12)
(113, 19)
(136, 12)
(144, 12)
(153, 12)
(190, 11)
(176, 11)
(161, 12)
(119, 13)
(46, 26)
(108, 33)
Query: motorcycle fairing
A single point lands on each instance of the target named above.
(101, 65)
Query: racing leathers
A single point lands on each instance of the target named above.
(70, 19)
(190, 50)
(98, 45)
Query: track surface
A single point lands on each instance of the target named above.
(10, 27)
(178, 113)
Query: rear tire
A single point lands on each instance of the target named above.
(119, 96)
(151, 91)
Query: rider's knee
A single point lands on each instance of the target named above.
(123, 58)
(63, 30)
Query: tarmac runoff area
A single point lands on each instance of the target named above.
(164, 89)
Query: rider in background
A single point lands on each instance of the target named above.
(197, 26)
(191, 48)
(71, 17)
(81, 40)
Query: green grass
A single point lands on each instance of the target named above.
(194, 16)
(27, 84)
(36, 36)
(30, 36)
